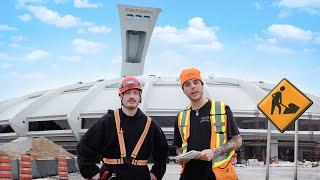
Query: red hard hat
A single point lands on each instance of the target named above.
(128, 83)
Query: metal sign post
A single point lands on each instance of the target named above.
(268, 150)
(296, 150)
(283, 105)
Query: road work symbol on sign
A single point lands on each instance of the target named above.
(284, 104)
(277, 102)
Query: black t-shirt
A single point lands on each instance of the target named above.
(199, 139)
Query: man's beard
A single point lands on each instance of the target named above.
(130, 107)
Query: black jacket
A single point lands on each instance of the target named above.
(101, 141)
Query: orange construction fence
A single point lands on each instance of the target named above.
(62, 167)
(25, 167)
(5, 168)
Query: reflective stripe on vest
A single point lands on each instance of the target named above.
(218, 120)
(184, 128)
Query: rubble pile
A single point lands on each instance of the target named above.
(40, 147)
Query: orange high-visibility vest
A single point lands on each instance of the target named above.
(218, 120)
(123, 159)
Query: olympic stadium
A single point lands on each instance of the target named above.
(64, 114)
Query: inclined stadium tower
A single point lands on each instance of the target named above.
(64, 114)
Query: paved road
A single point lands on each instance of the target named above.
(244, 173)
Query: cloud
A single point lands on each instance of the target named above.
(317, 40)
(29, 76)
(99, 29)
(65, 21)
(290, 32)
(90, 27)
(72, 59)
(9, 57)
(34, 75)
(170, 59)
(83, 46)
(285, 38)
(15, 40)
(37, 54)
(116, 60)
(85, 4)
(197, 36)
(265, 47)
(258, 6)
(284, 14)
(5, 27)
(54, 67)
(20, 4)
(299, 3)
(4, 56)
(23, 3)
(309, 50)
(25, 17)
(51, 17)
(59, 1)
(309, 6)
(6, 66)
(271, 45)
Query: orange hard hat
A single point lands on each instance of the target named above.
(128, 83)
(189, 73)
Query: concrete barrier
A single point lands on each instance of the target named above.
(43, 167)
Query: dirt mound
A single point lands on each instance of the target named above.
(40, 147)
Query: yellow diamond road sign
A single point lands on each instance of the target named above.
(284, 104)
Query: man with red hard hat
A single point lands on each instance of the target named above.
(124, 139)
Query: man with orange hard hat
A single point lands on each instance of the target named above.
(124, 139)
(206, 126)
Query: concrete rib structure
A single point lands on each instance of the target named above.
(69, 111)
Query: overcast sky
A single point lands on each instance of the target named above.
(46, 44)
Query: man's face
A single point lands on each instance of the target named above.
(131, 98)
(193, 89)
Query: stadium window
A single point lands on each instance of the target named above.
(86, 123)
(48, 125)
(164, 121)
(6, 128)
(309, 125)
(251, 122)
